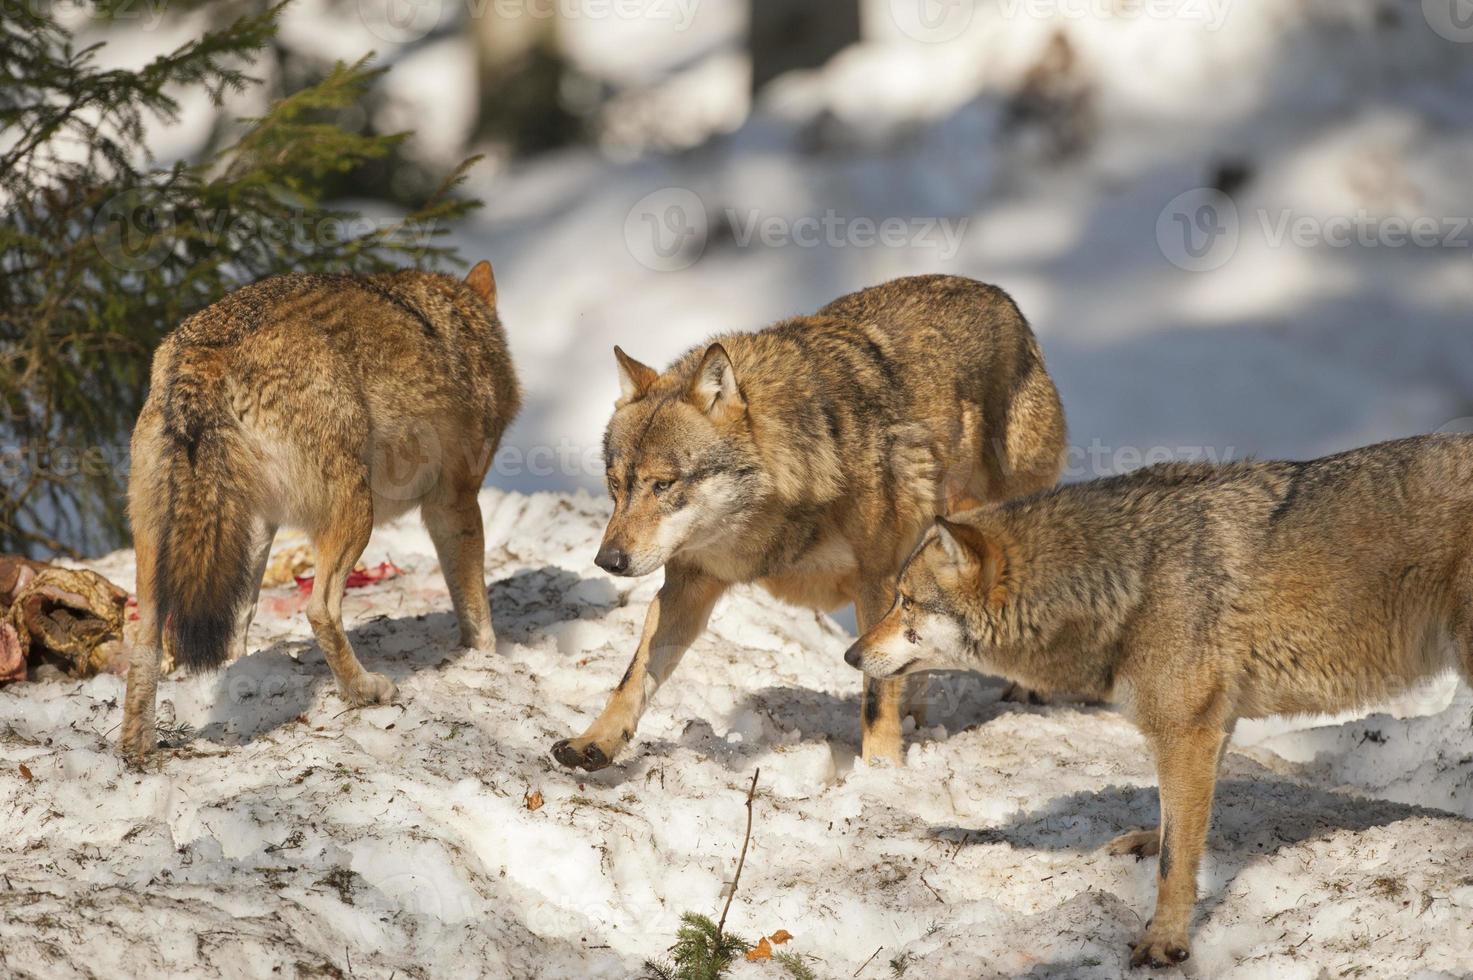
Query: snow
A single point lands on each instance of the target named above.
(294, 836)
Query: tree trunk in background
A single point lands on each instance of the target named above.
(789, 34)
(520, 71)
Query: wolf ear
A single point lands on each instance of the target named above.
(634, 378)
(714, 387)
(953, 542)
(968, 547)
(483, 282)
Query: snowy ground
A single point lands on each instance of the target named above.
(291, 837)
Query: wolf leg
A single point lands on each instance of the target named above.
(138, 738)
(260, 555)
(455, 527)
(676, 617)
(1146, 842)
(1187, 769)
(339, 546)
(879, 712)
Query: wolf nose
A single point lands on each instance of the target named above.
(852, 655)
(612, 560)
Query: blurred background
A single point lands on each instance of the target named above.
(1239, 227)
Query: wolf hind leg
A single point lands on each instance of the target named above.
(459, 536)
(260, 556)
(138, 738)
(339, 545)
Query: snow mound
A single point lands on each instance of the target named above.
(292, 837)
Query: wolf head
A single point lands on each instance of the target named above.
(942, 590)
(681, 463)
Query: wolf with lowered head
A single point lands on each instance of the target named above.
(1193, 595)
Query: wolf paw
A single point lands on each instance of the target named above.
(1139, 843)
(368, 689)
(137, 744)
(588, 757)
(1159, 950)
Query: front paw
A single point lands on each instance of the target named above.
(577, 753)
(366, 689)
(1160, 948)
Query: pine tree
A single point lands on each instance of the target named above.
(103, 251)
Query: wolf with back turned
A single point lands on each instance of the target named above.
(808, 458)
(327, 403)
(1193, 595)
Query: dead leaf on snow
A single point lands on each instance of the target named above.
(762, 951)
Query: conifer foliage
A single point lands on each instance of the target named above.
(104, 249)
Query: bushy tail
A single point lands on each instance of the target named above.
(203, 574)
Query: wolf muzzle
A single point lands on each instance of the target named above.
(612, 560)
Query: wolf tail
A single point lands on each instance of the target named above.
(202, 577)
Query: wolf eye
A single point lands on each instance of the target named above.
(661, 486)
(906, 602)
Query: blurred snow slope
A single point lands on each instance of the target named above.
(292, 837)
(1060, 144)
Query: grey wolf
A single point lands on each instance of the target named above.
(326, 403)
(1193, 595)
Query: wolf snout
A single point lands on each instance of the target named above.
(853, 656)
(612, 560)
